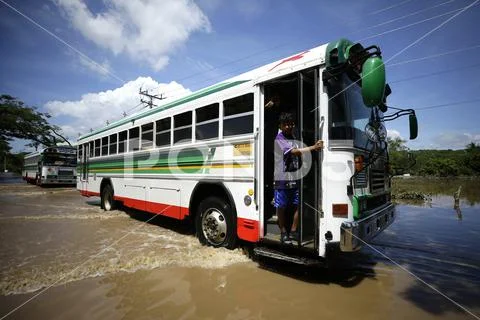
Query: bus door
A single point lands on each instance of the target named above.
(85, 160)
(308, 134)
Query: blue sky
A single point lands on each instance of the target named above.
(89, 69)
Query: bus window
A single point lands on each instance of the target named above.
(182, 127)
(238, 115)
(162, 137)
(97, 148)
(122, 141)
(133, 139)
(147, 136)
(105, 146)
(113, 144)
(91, 149)
(80, 152)
(207, 122)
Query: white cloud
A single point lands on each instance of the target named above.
(146, 30)
(392, 133)
(455, 140)
(94, 109)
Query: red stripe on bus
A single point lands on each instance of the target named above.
(87, 193)
(248, 230)
(172, 211)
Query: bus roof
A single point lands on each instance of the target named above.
(304, 59)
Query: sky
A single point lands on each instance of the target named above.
(84, 61)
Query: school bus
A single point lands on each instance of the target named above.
(208, 157)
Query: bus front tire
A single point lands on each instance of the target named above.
(215, 225)
(107, 202)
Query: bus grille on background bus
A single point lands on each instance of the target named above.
(65, 173)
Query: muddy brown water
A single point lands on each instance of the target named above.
(71, 260)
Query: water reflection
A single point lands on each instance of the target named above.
(464, 189)
(438, 241)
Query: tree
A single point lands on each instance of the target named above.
(440, 167)
(472, 157)
(23, 122)
(398, 155)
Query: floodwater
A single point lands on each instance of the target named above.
(62, 257)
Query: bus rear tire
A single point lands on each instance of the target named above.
(107, 202)
(215, 225)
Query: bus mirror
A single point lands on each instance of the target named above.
(373, 81)
(413, 126)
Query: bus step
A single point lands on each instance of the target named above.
(279, 255)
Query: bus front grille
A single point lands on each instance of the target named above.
(65, 173)
(377, 180)
(361, 179)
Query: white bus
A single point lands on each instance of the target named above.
(209, 156)
(53, 165)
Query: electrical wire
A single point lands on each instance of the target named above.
(412, 24)
(433, 56)
(435, 73)
(445, 105)
(83, 55)
(402, 17)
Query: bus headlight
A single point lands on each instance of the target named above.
(247, 200)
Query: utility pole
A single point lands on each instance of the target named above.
(150, 97)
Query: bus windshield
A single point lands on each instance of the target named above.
(347, 113)
(58, 159)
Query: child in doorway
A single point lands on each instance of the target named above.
(287, 162)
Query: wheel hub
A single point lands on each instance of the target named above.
(214, 226)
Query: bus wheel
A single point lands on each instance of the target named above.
(107, 202)
(215, 225)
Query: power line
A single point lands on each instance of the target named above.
(389, 7)
(435, 73)
(412, 24)
(403, 17)
(282, 45)
(445, 105)
(433, 56)
(83, 55)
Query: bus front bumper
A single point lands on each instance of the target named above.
(355, 233)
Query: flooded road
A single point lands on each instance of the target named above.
(75, 261)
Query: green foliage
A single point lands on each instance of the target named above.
(439, 163)
(440, 167)
(23, 122)
(472, 157)
(14, 162)
(399, 160)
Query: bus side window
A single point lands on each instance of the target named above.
(97, 148)
(134, 139)
(182, 131)
(105, 146)
(238, 115)
(162, 135)
(91, 149)
(122, 141)
(147, 136)
(207, 119)
(113, 144)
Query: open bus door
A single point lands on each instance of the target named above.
(298, 95)
(85, 160)
(310, 195)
